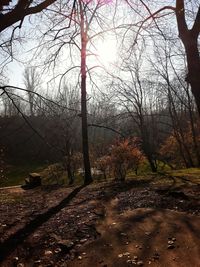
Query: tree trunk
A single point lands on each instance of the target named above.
(194, 136)
(193, 76)
(146, 146)
(85, 146)
(189, 38)
(151, 162)
(70, 173)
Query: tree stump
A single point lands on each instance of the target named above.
(33, 180)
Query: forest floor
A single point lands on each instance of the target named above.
(141, 223)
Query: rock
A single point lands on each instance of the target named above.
(20, 265)
(140, 263)
(123, 234)
(58, 250)
(79, 258)
(126, 254)
(48, 252)
(32, 181)
(82, 241)
(36, 235)
(120, 255)
(170, 242)
(135, 258)
(37, 261)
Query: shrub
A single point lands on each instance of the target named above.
(125, 155)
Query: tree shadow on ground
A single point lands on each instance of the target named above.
(178, 181)
(146, 233)
(10, 244)
(103, 191)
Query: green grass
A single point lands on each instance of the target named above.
(177, 178)
(192, 172)
(171, 178)
(55, 174)
(15, 174)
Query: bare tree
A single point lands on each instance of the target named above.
(78, 39)
(179, 100)
(31, 82)
(16, 12)
(188, 31)
(137, 95)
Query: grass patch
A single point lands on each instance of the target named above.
(55, 174)
(178, 178)
(15, 174)
(169, 178)
(191, 172)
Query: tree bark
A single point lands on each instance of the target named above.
(193, 76)
(85, 146)
(20, 11)
(189, 38)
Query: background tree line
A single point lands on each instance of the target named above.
(151, 96)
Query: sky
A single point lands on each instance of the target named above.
(105, 51)
(106, 48)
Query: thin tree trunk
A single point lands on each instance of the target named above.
(85, 146)
(146, 146)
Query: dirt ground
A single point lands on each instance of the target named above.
(106, 224)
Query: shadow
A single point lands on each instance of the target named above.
(187, 181)
(108, 190)
(151, 230)
(177, 179)
(10, 244)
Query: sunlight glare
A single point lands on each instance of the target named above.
(107, 52)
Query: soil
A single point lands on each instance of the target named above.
(105, 224)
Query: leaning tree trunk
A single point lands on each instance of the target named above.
(85, 145)
(193, 76)
(189, 38)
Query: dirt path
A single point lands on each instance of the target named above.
(12, 189)
(105, 225)
(143, 237)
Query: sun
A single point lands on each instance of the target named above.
(107, 52)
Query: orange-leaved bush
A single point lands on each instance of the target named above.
(125, 155)
(182, 149)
